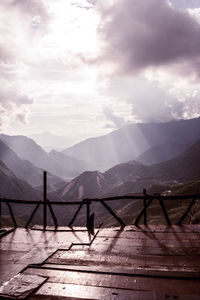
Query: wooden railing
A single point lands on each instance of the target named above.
(147, 201)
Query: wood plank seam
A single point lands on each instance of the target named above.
(34, 266)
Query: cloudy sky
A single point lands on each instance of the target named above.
(80, 68)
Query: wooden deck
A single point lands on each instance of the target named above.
(144, 262)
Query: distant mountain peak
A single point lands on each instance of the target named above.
(88, 184)
(131, 141)
(29, 150)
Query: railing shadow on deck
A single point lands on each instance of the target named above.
(146, 198)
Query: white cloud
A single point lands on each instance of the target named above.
(38, 40)
(12, 104)
(48, 52)
(151, 101)
(116, 119)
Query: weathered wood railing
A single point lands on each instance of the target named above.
(147, 201)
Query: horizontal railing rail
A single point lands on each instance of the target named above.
(134, 197)
(147, 201)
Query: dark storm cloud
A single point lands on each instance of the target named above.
(141, 34)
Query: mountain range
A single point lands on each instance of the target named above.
(160, 156)
(131, 141)
(14, 188)
(29, 150)
(183, 167)
(132, 177)
(78, 166)
(49, 141)
(161, 153)
(24, 169)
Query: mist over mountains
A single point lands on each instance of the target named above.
(133, 140)
(164, 155)
(24, 169)
(12, 187)
(28, 149)
(160, 153)
(132, 176)
(49, 141)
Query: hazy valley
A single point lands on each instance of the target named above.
(155, 156)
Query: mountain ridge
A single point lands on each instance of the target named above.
(29, 150)
(71, 162)
(161, 153)
(133, 176)
(15, 188)
(129, 142)
(23, 169)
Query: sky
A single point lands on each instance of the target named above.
(78, 68)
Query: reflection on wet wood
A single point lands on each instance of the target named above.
(90, 292)
(163, 228)
(22, 247)
(95, 258)
(21, 285)
(137, 270)
(146, 262)
(84, 292)
(119, 281)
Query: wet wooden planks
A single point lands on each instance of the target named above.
(146, 262)
(22, 247)
(139, 270)
(152, 235)
(144, 249)
(120, 281)
(160, 263)
(160, 240)
(124, 261)
(59, 228)
(49, 238)
(70, 291)
(5, 230)
(21, 285)
(108, 286)
(162, 228)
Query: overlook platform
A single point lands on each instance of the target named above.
(136, 262)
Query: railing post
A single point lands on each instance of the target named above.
(88, 212)
(144, 205)
(44, 199)
(0, 214)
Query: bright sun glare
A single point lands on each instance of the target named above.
(73, 28)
